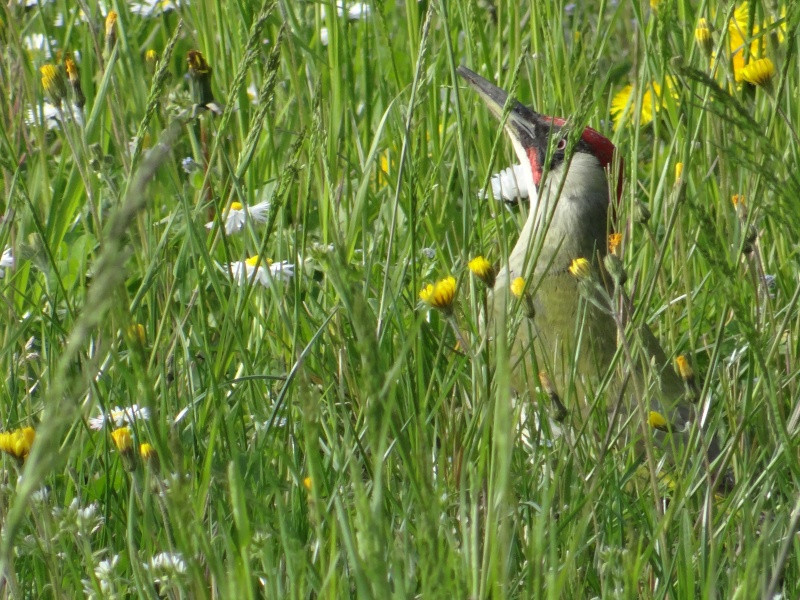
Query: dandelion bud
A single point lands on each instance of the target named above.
(124, 442)
(54, 83)
(148, 455)
(200, 81)
(658, 421)
(614, 242)
(581, 269)
(111, 32)
(136, 334)
(122, 439)
(440, 294)
(615, 268)
(517, 288)
(678, 171)
(703, 37)
(151, 60)
(686, 373)
(483, 270)
(74, 77)
(555, 400)
(642, 213)
(18, 443)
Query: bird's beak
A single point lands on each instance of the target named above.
(521, 123)
(521, 119)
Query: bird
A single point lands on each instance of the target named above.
(568, 345)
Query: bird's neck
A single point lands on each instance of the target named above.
(577, 219)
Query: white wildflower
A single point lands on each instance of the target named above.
(153, 8)
(165, 567)
(236, 215)
(262, 271)
(38, 43)
(78, 520)
(120, 416)
(108, 584)
(50, 116)
(6, 262)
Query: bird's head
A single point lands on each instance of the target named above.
(531, 134)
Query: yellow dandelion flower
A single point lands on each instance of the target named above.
(657, 421)
(146, 451)
(136, 333)
(122, 439)
(741, 16)
(581, 268)
(54, 83)
(614, 241)
(758, 72)
(111, 21)
(482, 269)
(684, 368)
(307, 483)
(72, 70)
(623, 105)
(151, 58)
(440, 294)
(737, 199)
(703, 37)
(18, 442)
(678, 171)
(518, 287)
(197, 63)
(200, 80)
(686, 373)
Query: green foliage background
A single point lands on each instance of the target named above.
(326, 438)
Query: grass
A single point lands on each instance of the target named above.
(324, 437)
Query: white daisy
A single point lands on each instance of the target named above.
(263, 271)
(120, 416)
(50, 116)
(6, 262)
(237, 213)
(37, 43)
(153, 8)
(510, 185)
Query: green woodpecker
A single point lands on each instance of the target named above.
(567, 345)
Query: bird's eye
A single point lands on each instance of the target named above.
(562, 144)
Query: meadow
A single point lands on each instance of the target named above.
(219, 379)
